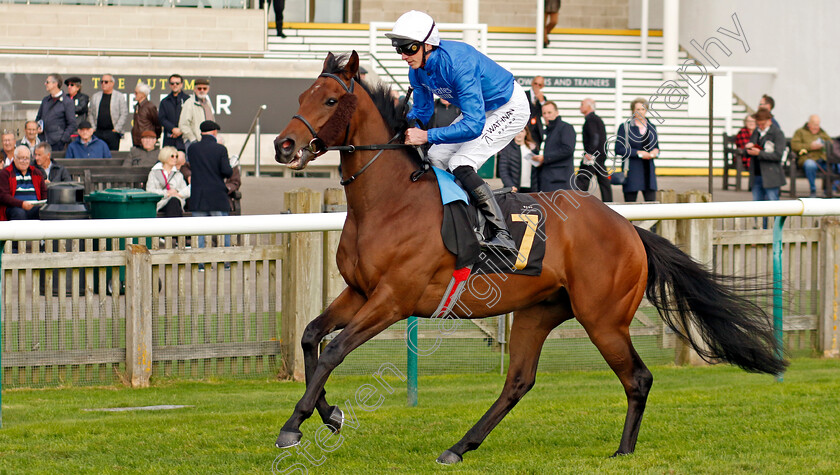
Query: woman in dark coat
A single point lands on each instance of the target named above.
(516, 158)
(638, 148)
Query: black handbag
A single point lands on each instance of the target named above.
(618, 177)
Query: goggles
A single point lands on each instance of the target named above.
(409, 49)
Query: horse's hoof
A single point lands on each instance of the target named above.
(619, 453)
(336, 420)
(448, 458)
(288, 439)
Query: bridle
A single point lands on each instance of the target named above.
(318, 147)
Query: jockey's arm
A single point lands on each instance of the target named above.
(471, 101)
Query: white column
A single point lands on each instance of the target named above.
(671, 36)
(471, 17)
(645, 15)
(540, 26)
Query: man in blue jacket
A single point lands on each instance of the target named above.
(87, 145)
(493, 106)
(170, 112)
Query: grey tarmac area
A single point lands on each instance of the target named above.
(264, 195)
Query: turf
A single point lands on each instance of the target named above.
(699, 420)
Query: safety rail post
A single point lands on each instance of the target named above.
(778, 300)
(335, 201)
(138, 315)
(2, 245)
(694, 236)
(411, 360)
(302, 298)
(828, 325)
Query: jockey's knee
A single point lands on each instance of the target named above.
(468, 177)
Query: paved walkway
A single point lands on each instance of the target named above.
(264, 195)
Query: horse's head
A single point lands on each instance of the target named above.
(323, 117)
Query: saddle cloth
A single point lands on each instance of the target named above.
(461, 221)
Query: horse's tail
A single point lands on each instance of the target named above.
(730, 327)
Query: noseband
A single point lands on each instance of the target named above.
(318, 147)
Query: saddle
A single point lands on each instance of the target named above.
(463, 224)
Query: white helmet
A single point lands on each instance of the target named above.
(415, 26)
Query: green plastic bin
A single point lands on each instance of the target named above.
(121, 203)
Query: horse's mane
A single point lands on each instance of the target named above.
(381, 95)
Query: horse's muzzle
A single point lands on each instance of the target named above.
(287, 152)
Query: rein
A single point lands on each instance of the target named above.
(318, 147)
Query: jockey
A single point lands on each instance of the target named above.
(494, 109)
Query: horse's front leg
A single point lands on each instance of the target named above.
(335, 317)
(377, 314)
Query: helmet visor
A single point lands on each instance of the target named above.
(408, 49)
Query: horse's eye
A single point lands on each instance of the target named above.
(331, 102)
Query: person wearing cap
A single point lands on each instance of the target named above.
(209, 165)
(108, 112)
(147, 154)
(56, 114)
(80, 100)
(145, 116)
(196, 110)
(765, 149)
(87, 145)
(493, 106)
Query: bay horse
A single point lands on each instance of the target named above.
(597, 267)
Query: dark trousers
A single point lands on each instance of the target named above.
(279, 6)
(585, 175)
(630, 196)
(110, 137)
(15, 213)
(172, 209)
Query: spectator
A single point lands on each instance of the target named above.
(170, 112)
(594, 135)
(147, 154)
(515, 162)
(183, 166)
(743, 138)
(363, 73)
(56, 115)
(638, 144)
(87, 145)
(556, 164)
(109, 113)
(279, 6)
(194, 111)
(8, 148)
(210, 166)
(233, 183)
(145, 115)
(21, 186)
(809, 144)
(30, 136)
(53, 172)
(165, 180)
(552, 11)
(536, 99)
(445, 113)
(766, 147)
(81, 101)
(767, 103)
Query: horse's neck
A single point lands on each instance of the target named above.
(385, 185)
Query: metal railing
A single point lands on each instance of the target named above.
(254, 129)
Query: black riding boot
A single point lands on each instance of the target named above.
(502, 242)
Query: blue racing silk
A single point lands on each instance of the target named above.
(462, 75)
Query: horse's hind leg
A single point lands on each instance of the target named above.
(335, 317)
(528, 333)
(615, 346)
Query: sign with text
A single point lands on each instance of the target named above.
(563, 81)
(235, 100)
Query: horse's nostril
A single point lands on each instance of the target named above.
(287, 144)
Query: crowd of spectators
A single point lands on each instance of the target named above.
(82, 127)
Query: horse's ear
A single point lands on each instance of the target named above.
(330, 60)
(352, 67)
